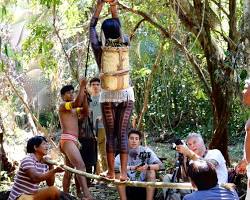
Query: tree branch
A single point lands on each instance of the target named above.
(61, 43)
(192, 59)
(201, 26)
(220, 7)
(149, 85)
(136, 27)
(189, 21)
(233, 32)
(226, 38)
(39, 126)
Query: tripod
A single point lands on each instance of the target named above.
(171, 193)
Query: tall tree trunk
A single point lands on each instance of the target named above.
(247, 34)
(233, 32)
(200, 19)
(221, 115)
(220, 96)
(219, 74)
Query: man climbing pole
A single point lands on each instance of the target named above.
(117, 96)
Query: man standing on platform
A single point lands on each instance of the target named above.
(117, 105)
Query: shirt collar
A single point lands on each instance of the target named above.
(34, 157)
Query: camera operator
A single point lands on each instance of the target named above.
(196, 149)
(142, 166)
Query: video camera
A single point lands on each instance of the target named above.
(143, 156)
(180, 157)
(177, 142)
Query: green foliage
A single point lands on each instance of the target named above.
(50, 3)
(3, 12)
(243, 74)
(73, 16)
(1, 66)
(40, 46)
(49, 119)
(178, 103)
(8, 51)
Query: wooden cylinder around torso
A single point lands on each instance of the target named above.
(115, 68)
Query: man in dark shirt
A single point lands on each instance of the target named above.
(204, 178)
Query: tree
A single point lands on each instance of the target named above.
(247, 33)
(217, 74)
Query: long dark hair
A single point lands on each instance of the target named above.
(111, 28)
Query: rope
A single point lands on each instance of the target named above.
(181, 186)
(86, 70)
(87, 60)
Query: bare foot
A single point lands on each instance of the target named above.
(89, 197)
(108, 175)
(124, 177)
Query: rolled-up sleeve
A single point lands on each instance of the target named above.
(95, 43)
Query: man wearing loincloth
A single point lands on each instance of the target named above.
(68, 115)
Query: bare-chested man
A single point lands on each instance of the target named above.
(68, 114)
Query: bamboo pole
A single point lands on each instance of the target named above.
(181, 186)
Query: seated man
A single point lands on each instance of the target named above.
(204, 177)
(196, 149)
(142, 166)
(32, 171)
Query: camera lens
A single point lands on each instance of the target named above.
(178, 142)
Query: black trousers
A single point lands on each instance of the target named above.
(136, 193)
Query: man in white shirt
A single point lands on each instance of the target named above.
(196, 149)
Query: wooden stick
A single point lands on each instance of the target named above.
(181, 186)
